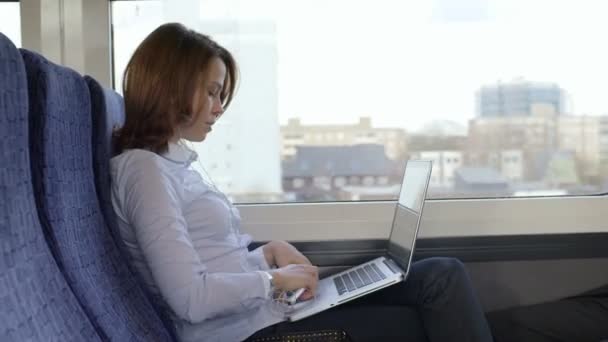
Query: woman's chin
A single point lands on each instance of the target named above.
(197, 139)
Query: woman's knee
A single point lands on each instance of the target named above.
(444, 267)
(437, 281)
(440, 276)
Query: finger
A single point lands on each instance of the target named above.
(306, 261)
(302, 261)
(314, 271)
(311, 269)
(307, 295)
(313, 285)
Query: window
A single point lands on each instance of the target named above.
(486, 99)
(10, 21)
(368, 181)
(323, 183)
(339, 182)
(298, 183)
(382, 180)
(293, 136)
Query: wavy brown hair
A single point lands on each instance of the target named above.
(160, 82)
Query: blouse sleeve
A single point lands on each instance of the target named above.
(152, 206)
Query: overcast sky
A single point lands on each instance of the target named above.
(405, 63)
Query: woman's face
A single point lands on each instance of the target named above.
(207, 104)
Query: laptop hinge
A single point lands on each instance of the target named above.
(391, 265)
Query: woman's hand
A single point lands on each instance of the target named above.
(281, 253)
(293, 277)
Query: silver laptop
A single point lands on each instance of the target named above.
(383, 271)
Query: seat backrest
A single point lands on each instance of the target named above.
(36, 303)
(61, 136)
(108, 114)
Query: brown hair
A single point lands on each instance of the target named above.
(160, 82)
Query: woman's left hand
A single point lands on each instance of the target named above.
(281, 253)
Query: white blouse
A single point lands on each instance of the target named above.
(184, 239)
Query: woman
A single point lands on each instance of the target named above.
(183, 234)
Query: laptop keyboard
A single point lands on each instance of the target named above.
(358, 277)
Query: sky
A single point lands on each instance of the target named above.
(407, 63)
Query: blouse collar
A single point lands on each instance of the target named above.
(180, 153)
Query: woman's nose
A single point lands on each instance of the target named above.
(218, 112)
(218, 109)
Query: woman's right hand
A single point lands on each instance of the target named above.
(296, 276)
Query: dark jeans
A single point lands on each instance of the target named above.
(436, 303)
(579, 319)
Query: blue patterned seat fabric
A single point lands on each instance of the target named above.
(62, 172)
(108, 113)
(36, 303)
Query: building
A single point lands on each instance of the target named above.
(519, 98)
(242, 154)
(510, 163)
(445, 164)
(521, 147)
(296, 134)
(535, 137)
(581, 136)
(603, 142)
(339, 172)
(424, 142)
(480, 181)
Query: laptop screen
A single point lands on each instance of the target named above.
(409, 211)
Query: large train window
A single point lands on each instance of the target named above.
(506, 97)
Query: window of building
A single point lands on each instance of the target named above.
(276, 48)
(339, 182)
(322, 182)
(382, 180)
(293, 136)
(368, 181)
(298, 183)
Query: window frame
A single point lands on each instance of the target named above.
(325, 221)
